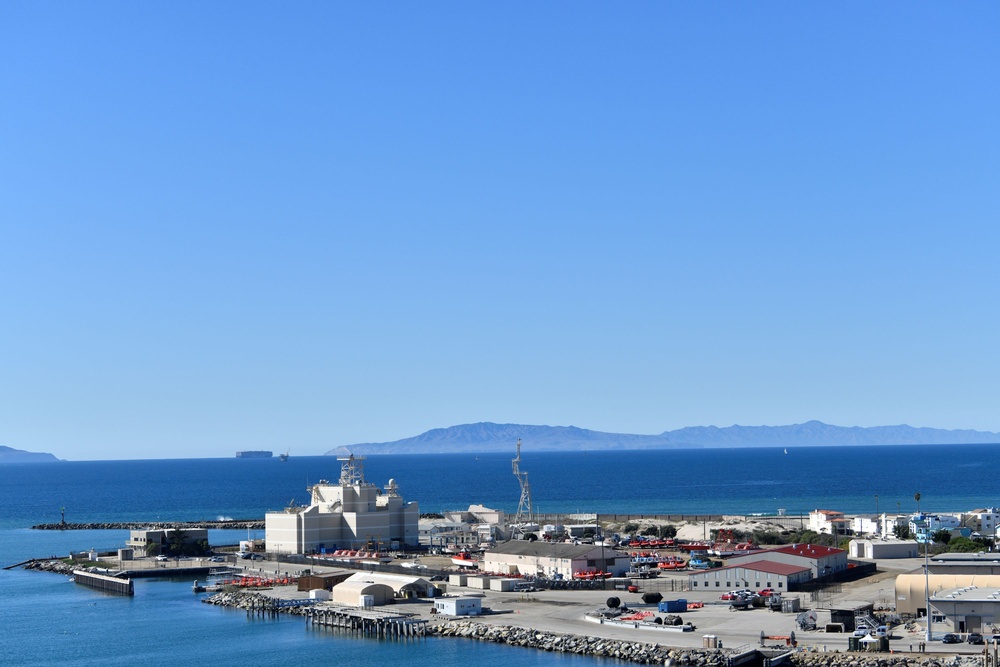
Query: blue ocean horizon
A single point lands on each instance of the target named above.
(47, 620)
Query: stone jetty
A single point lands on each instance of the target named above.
(237, 524)
(55, 565)
(654, 654)
(253, 601)
(638, 652)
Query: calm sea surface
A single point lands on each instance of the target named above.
(47, 620)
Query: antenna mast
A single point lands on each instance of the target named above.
(525, 512)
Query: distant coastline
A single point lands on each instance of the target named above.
(487, 437)
(10, 455)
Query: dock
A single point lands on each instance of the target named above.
(368, 622)
(104, 583)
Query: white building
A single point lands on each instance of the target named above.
(350, 514)
(878, 549)
(866, 525)
(461, 606)
(985, 521)
(828, 521)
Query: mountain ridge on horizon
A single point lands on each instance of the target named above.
(11, 455)
(487, 437)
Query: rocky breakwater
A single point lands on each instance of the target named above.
(237, 524)
(810, 659)
(57, 566)
(252, 601)
(638, 652)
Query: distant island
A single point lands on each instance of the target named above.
(486, 437)
(10, 455)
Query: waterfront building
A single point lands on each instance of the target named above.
(460, 606)
(364, 588)
(349, 514)
(156, 541)
(549, 559)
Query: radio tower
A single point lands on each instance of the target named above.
(525, 512)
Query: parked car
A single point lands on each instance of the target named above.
(975, 638)
(161, 557)
(217, 559)
(766, 592)
(731, 595)
(950, 638)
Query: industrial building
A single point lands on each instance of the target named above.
(155, 541)
(823, 561)
(350, 514)
(945, 572)
(879, 549)
(966, 609)
(546, 559)
(460, 606)
(754, 575)
(371, 589)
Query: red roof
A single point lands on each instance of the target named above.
(808, 550)
(768, 566)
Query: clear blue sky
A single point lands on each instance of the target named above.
(237, 225)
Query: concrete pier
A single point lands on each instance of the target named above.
(369, 622)
(104, 583)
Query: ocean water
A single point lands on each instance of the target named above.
(45, 619)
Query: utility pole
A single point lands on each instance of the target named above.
(927, 576)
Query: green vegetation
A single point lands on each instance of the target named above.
(943, 536)
(630, 528)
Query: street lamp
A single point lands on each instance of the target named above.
(927, 576)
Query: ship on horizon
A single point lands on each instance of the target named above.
(254, 454)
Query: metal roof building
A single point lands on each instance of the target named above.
(548, 559)
(753, 575)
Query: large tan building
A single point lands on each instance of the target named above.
(545, 559)
(350, 514)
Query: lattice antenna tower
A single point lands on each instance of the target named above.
(352, 469)
(525, 511)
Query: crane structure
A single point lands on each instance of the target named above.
(525, 511)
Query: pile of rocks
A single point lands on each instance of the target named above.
(57, 566)
(243, 524)
(252, 601)
(638, 652)
(805, 659)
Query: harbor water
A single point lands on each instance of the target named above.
(48, 620)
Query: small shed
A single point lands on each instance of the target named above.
(461, 606)
(324, 581)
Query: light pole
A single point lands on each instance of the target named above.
(927, 576)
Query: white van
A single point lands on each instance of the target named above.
(862, 631)
(881, 631)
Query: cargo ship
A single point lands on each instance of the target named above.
(254, 454)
